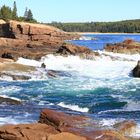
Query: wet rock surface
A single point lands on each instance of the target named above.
(54, 125)
(136, 70)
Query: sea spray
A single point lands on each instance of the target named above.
(73, 107)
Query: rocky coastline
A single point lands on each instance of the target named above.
(128, 46)
(54, 125)
(32, 41)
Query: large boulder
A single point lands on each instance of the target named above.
(70, 49)
(128, 46)
(32, 41)
(83, 126)
(26, 132)
(15, 48)
(136, 70)
(35, 132)
(56, 125)
(34, 32)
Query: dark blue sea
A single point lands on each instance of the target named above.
(98, 41)
(102, 89)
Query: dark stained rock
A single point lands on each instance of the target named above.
(9, 101)
(136, 70)
(54, 73)
(7, 55)
(70, 49)
(128, 46)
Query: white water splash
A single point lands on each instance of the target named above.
(14, 98)
(73, 107)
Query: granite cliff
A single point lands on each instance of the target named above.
(32, 41)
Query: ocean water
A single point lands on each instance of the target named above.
(102, 89)
(98, 41)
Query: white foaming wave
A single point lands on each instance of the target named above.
(14, 98)
(136, 133)
(102, 67)
(132, 106)
(40, 74)
(7, 120)
(28, 62)
(16, 119)
(110, 122)
(45, 103)
(129, 107)
(9, 89)
(87, 38)
(132, 57)
(73, 107)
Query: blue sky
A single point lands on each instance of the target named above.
(78, 10)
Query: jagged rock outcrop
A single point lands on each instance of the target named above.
(128, 46)
(32, 41)
(55, 125)
(84, 126)
(136, 70)
(34, 32)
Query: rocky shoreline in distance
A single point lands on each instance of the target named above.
(128, 46)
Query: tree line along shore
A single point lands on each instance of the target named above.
(127, 26)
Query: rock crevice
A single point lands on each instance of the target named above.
(32, 41)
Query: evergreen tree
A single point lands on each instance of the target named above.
(14, 12)
(6, 12)
(30, 15)
(26, 13)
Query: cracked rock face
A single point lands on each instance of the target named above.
(32, 41)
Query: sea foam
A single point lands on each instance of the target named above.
(73, 107)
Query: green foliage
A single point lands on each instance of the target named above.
(26, 13)
(28, 16)
(7, 14)
(128, 26)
